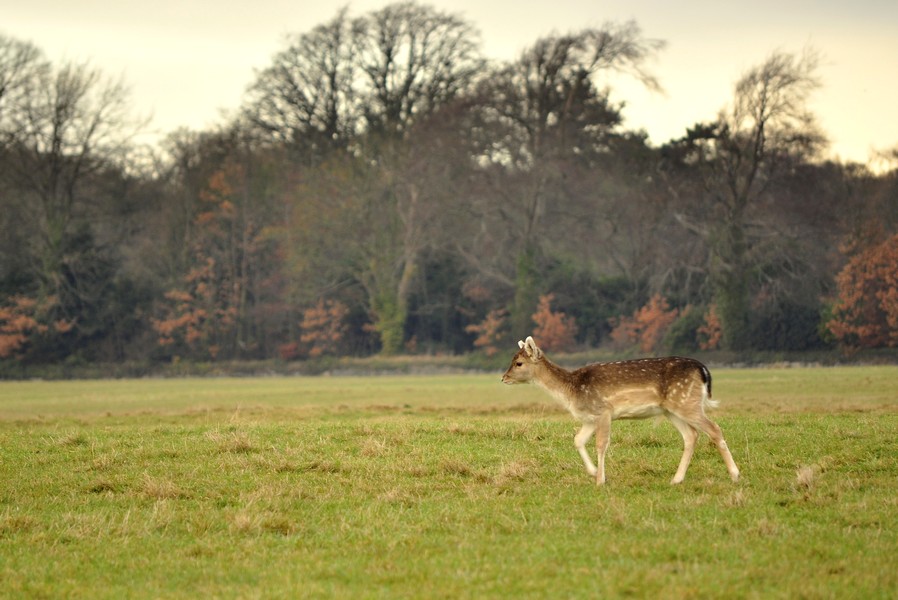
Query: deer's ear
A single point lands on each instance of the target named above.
(532, 349)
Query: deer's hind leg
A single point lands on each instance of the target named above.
(713, 430)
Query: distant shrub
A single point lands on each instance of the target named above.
(554, 329)
(646, 327)
(490, 332)
(711, 331)
(323, 327)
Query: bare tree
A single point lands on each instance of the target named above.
(545, 118)
(405, 62)
(743, 155)
(306, 98)
(66, 134)
(375, 72)
(22, 68)
(414, 59)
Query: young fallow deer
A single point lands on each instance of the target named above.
(678, 388)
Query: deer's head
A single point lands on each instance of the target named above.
(522, 365)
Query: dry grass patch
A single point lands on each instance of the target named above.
(13, 522)
(231, 442)
(514, 471)
(806, 478)
(70, 439)
(160, 489)
(373, 446)
(453, 466)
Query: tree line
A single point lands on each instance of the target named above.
(386, 188)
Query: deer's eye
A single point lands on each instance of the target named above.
(519, 364)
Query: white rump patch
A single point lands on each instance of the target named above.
(707, 400)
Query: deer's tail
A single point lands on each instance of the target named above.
(707, 401)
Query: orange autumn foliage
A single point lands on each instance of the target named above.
(197, 315)
(209, 310)
(554, 330)
(646, 327)
(489, 331)
(16, 323)
(323, 327)
(25, 317)
(711, 331)
(866, 311)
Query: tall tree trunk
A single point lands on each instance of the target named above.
(525, 294)
(730, 276)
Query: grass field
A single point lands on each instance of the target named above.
(441, 487)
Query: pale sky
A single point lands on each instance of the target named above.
(188, 62)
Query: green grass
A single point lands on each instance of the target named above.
(454, 487)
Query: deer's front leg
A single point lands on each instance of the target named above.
(603, 439)
(580, 440)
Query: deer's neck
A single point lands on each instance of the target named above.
(557, 381)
